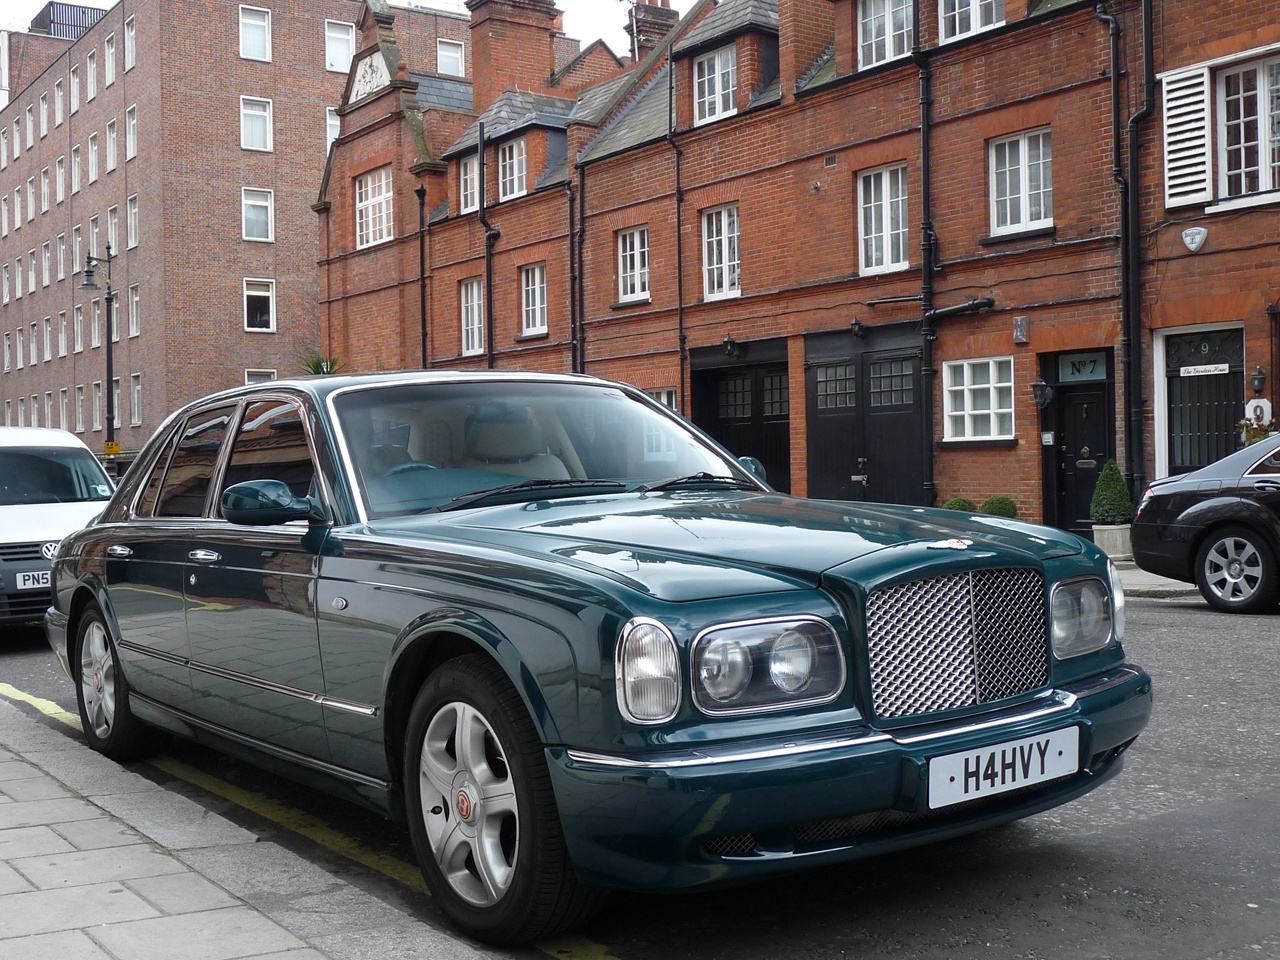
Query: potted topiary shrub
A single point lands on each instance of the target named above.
(1112, 513)
(963, 504)
(1000, 507)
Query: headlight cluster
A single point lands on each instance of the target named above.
(748, 667)
(1084, 616)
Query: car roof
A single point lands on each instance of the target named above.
(38, 437)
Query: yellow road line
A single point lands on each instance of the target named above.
(304, 824)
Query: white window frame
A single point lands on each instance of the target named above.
(884, 31)
(19, 352)
(512, 170)
(46, 263)
(60, 179)
(469, 184)
(269, 203)
(131, 132)
(90, 75)
(96, 405)
(111, 145)
(80, 408)
(266, 29)
(62, 256)
(34, 343)
(471, 310)
(4, 215)
(47, 327)
(75, 169)
(980, 382)
(332, 126)
(259, 375)
(715, 85)
(454, 46)
(8, 355)
(255, 103)
(135, 400)
(332, 31)
(135, 310)
(877, 207)
(4, 147)
(4, 272)
(113, 228)
(1267, 114)
(62, 333)
(75, 89)
(981, 15)
(108, 60)
(77, 328)
(633, 265)
(1024, 195)
(31, 199)
(77, 248)
(130, 44)
(375, 209)
(721, 253)
(44, 115)
(44, 190)
(95, 324)
(271, 292)
(93, 158)
(131, 224)
(62, 408)
(533, 299)
(58, 104)
(31, 126)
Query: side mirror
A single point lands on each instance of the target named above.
(265, 503)
(756, 468)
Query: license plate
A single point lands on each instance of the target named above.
(1012, 765)
(33, 581)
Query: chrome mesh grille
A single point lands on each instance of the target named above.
(956, 641)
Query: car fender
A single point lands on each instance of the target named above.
(1243, 512)
(88, 588)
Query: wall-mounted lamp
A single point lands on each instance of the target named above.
(731, 348)
(857, 329)
(1258, 381)
(1042, 392)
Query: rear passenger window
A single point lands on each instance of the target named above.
(147, 502)
(186, 484)
(272, 445)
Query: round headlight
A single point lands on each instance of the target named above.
(725, 669)
(791, 661)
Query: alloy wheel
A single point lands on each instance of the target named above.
(1233, 569)
(98, 680)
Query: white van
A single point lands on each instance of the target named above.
(50, 486)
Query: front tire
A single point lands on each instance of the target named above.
(1236, 571)
(102, 693)
(482, 816)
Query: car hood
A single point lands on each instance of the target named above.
(698, 546)
(43, 522)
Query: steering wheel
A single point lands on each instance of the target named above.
(407, 467)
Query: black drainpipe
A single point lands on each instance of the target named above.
(580, 344)
(421, 194)
(491, 235)
(573, 286)
(1135, 405)
(671, 139)
(928, 244)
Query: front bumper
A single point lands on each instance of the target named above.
(683, 819)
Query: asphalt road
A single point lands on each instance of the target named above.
(1177, 859)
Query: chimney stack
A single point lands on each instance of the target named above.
(805, 31)
(650, 21)
(511, 46)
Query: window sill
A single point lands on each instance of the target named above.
(959, 444)
(512, 196)
(943, 41)
(1245, 202)
(623, 304)
(539, 335)
(1033, 234)
(716, 119)
(732, 295)
(881, 271)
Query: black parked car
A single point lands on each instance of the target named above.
(1217, 527)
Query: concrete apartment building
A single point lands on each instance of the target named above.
(189, 135)
(898, 252)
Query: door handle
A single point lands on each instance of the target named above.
(119, 550)
(204, 556)
(1269, 486)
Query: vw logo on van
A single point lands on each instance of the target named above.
(49, 550)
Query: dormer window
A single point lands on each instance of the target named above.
(715, 85)
(511, 170)
(468, 194)
(960, 18)
(884, 31)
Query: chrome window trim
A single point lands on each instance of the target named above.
(1111, 612)
(320, 698)
(773, 707)
(1274, 451)
(619, 685)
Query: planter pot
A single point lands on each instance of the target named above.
(1114, 540)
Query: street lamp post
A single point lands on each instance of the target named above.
(110, 449)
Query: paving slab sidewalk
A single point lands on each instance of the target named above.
(1139, 583)
(99, 863)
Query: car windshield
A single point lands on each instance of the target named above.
(423, 447)
(50, 475)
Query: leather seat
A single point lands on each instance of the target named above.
(502, 439)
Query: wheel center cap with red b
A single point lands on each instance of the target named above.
(465, 805)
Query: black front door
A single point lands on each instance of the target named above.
(1083, 450)
(746, 406)
(1205, 384)
(864, 416)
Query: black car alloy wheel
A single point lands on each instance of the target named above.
(481, 812)
(1236, 571)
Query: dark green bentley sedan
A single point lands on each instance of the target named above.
(579, 646)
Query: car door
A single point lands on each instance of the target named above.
(251, 616)
(1261, 484)
(146, 559)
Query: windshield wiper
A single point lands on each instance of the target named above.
(698, 480)
(467, 499)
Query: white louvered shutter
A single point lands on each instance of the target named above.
(1188, 139)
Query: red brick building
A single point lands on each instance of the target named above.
(190, 136)
(883, 247)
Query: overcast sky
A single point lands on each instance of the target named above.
(584, 19)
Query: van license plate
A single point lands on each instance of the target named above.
(33, 581)
(1012, 765)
